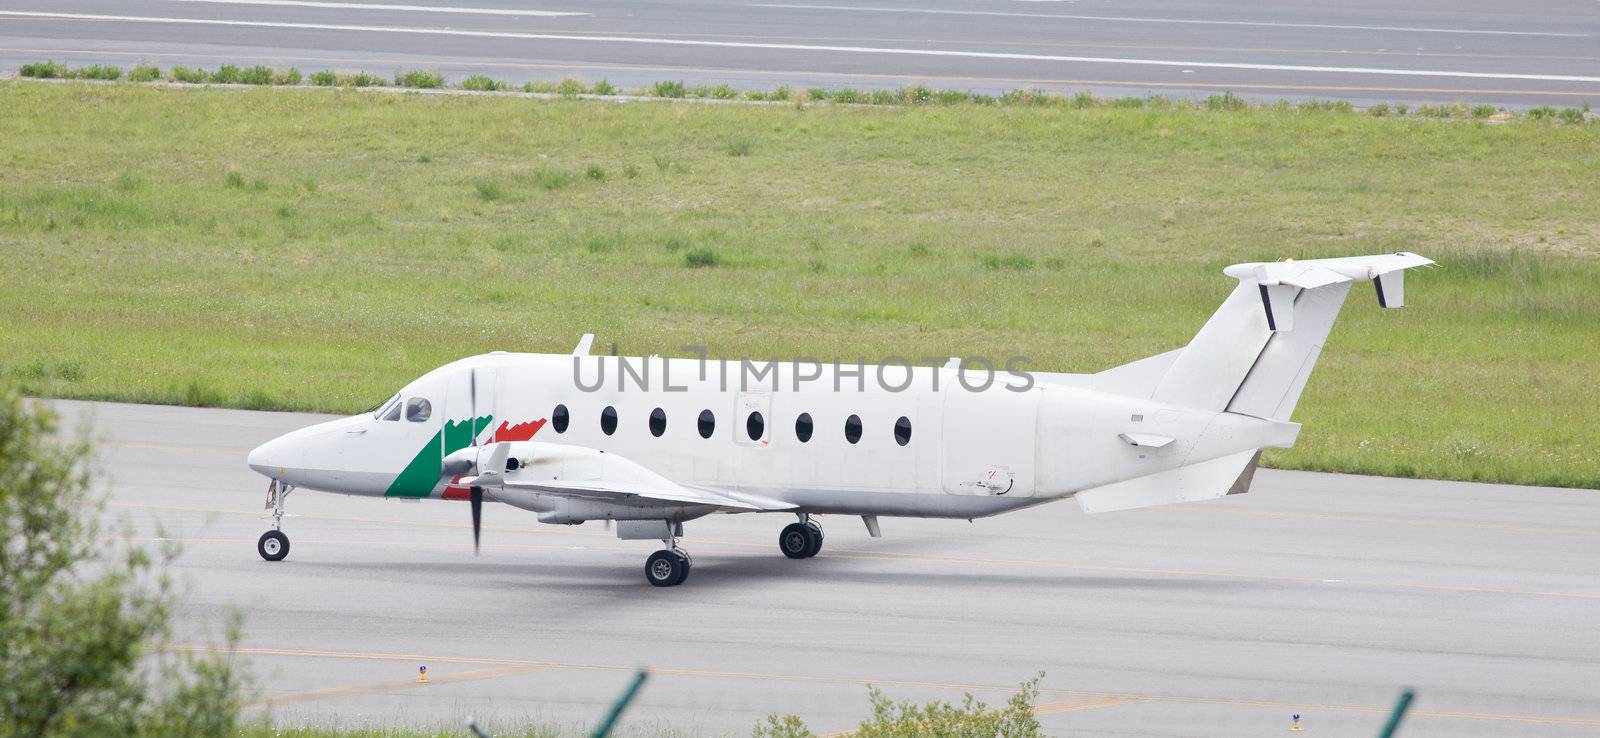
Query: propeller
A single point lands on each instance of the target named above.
(476, 499)
(475, 494)
(491, 473)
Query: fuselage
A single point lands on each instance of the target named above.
(829, 438)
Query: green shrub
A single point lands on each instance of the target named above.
(144, 73)
(953, 97)
(98, 71)
(630, 171)
(570, 88)
(1226, 101)
(604, 88)
(669, 89)
(699, 258)
(1379, 110)
(553, 179)
(1483, 111)
(917, 95)
(362, 79)
(738, 147)
(290, 76)
(488, 189)
(189, 76)
(1571, 115)
(234, 180)
(1015, 262)
(88, 613)
(1401, 108)
(480, 83)
(226, 74)
(324, 78)
(595, 172)
(419, 79)
(537, 86)
(45, 70)
(848, 96)
(256, 75)
(724, 92)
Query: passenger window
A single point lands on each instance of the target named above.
(802, 427)
(418, 410)
(608, 420)
(393, 413)
(559, 419)
(658, 422)
(755, 425)
(708, 423)
(902, 430)
(852, 428)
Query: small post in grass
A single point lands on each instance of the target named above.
(610, 721)
(1400, 707)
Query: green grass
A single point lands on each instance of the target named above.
(159, 246)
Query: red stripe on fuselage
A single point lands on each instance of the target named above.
(506, 432)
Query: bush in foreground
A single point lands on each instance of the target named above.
(890, 719)
(86, 624)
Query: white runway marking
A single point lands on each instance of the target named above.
(806, 47)
(382, 6)
(1189, 21)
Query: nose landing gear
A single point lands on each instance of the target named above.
(801, 540)
(273, 544)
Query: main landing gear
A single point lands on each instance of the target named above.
(801, 540)
(669, 566)
(273, 544)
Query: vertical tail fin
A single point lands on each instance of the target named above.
(1255, 354)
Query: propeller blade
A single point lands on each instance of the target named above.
(472, 403)
(476, 498)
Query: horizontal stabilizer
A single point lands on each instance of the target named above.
(1206, 480)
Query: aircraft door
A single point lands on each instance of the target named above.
(988, 441)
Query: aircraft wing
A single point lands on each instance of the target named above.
(679, 494)
(579, 471)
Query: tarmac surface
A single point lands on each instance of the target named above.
(1542, 52)
(1316, 594)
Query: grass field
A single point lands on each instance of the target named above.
(317, 248)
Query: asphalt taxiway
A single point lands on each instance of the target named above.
(1542, 52)
(1315, 593)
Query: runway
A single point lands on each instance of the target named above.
(1318, 594)
(1540, 53)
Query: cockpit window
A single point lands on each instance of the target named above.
(392, 412)
(418, 409)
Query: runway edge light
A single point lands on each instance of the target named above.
(1294, 723)
(422, 674)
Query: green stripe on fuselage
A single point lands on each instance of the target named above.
(421, 475)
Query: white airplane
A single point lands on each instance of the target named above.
(649, 443)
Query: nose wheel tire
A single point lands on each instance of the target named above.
(666, 568)
(800, 540)
(273, 545)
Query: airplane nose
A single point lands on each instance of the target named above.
(268, 458)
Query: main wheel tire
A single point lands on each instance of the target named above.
(795, 541)
(273, 545)
(816, 539)
(666, 568)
